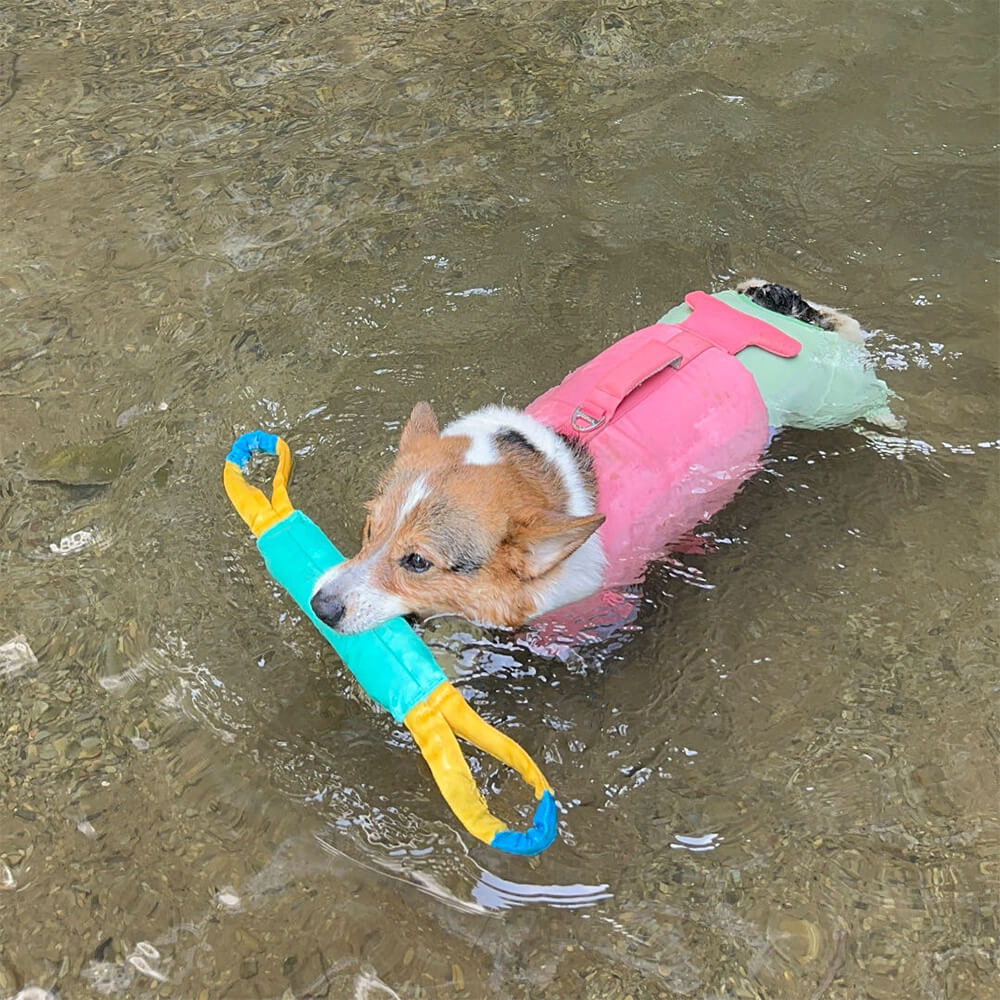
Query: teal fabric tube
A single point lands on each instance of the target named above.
(830, 382)
(297, 554)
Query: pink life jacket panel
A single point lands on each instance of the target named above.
(673, 422)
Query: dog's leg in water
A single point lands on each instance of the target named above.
(784, 300)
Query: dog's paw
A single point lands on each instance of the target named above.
(788, 302)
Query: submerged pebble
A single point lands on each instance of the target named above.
(138, 410)
(608, 35)
(15, 655)
(228, 899)
(796, 940)
(90, 464)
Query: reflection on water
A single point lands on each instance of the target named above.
(490, 892)
(780, 781)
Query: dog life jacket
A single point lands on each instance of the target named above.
(676, 415)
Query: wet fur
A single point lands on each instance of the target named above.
(787, 302)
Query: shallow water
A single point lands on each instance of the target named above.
(307, 216)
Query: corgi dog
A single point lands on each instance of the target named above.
(497, 516)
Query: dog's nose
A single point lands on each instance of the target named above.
(327, 608)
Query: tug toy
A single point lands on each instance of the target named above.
(390, 662)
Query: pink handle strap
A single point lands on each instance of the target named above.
(711, 324)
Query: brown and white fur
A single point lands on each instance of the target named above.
(492, 518)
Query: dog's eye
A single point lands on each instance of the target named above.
(415, 562)
(367, 530)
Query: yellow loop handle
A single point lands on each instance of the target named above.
(434, 723)
(251, 503)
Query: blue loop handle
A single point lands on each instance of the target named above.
(535, 840)
(246, 444)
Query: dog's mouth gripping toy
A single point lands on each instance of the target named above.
(390, 662)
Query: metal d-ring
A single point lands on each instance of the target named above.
(582, 422)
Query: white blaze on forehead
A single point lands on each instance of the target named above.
(418, 491)
(367, 605)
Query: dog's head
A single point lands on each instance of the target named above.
(447, 533)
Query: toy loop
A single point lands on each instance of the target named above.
(434, 723)
(251, 503)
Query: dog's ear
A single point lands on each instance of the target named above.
(422, 423)
(546, 540)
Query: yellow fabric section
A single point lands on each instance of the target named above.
(434, 723)
(466, 722)
(450, 770)
(252, 504)
(279, 489)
